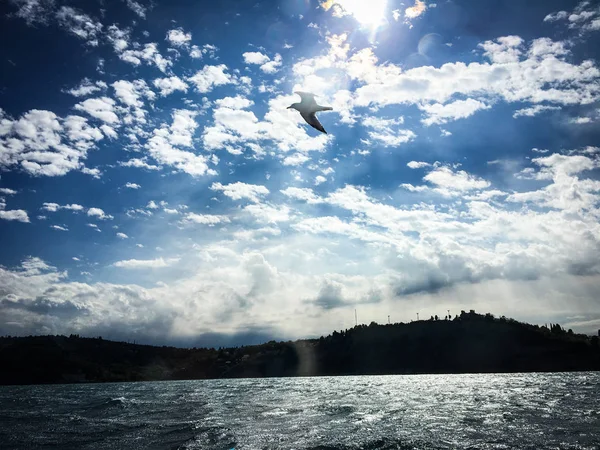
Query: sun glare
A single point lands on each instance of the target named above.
(368, 13)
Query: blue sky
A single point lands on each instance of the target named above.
(153, 185)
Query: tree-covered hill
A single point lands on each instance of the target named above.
(469, 343)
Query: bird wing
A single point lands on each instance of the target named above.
(311, 119)
(306, 97)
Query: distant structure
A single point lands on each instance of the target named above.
(417, 317)
(355, 318)
(389, 323)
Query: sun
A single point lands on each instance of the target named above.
(369, 13)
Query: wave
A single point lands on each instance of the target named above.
(110, 402)
(379, 444)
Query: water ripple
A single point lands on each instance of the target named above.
(488, 411)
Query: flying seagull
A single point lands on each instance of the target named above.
(308, 109)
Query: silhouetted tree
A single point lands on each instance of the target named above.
(471, 343)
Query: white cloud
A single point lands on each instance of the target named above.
(534, 110)
(149, 54)
(79, 24)
(54, 207)
(320, 179)
(296, 159)
(506, 49)
(195, 52)
(208, 77)
(255, 58)
(131, 93)
(273, 65)
(102, 108)
(138, 163)
(81, 133)
(7, 191)
(130, 185)
(204, 219)
(239, 191)
(94, 226)
(86, 87)
(553, 17)
(109, 131)
(415, 11)
(417, 164)
(372, 12)
(446, 178)
(34, 11)
(122, 236)
(387, 131)
(546, 47)
(73, 207)
(165, 140)
(269, 213)
(584, 17)
(94, 172)
(305, 194)
(119, 38)
(237, 102)
(567, 192)
(207, 49)
(169, 85)
(99, 213)
(43, 144)
(16, 214)
(511, 76)
(59, 227)
(146, 263)
(581, 120)
(178, 37)
(137, 8)
(459, 109)
(393, 139)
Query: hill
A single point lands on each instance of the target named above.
(469, 343)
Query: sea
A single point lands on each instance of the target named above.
(479, 411)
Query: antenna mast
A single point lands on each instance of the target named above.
(355, 318)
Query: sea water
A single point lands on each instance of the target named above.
(487, 411)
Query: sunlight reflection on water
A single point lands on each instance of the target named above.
(421, 411)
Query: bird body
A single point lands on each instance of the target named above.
(308, 109)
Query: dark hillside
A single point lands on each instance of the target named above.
(469, 343)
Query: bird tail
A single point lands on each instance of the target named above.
(324, 108)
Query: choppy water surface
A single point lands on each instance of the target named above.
(370, 412)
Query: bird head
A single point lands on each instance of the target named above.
(293, 106)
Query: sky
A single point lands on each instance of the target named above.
(155, 187)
